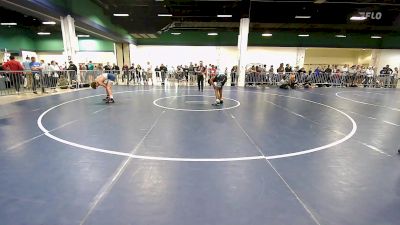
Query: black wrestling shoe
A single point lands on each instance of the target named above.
(216, 104)
(111, 100)
(221, 102)
(106, 99)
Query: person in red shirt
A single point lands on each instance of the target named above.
(15, 77)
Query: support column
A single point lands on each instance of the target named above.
(300, 57)
(70, 40)
(127, 54)
(242, 44)
(119, 54)
(375, 59)
(122, 54)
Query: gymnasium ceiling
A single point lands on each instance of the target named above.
(265, 15)
(330, 16)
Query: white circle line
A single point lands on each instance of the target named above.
(365, 103)
(194, 110)
(348, 136)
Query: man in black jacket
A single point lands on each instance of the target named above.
(72, 67)
(163, 70)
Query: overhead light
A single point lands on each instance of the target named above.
(212, 34)
(121, 14)
(8, 24)
(49, 23)
(159, 0)
(144, 35)
(303, 35)
(176, 33)
(364, 49)
(136, 35)
(319, 1)
(358, 18)
(302, 17)
(266, 35)
(340, 36)
(376, 37)
(43, 33)
(165, 15)
(224, 16)
(83, 35)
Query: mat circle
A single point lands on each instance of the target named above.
(156, 103)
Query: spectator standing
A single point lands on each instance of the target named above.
(369, 74)
(149, 73)
(132, 72)
(163, 70)
(73, 71)
(107, 67)
(15, 77)
(53, 79)
(281, 69)
(35, 68)
(28, 74)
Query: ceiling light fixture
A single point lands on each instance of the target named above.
(8, 24)
(83, 35)
(224, 16)
(340, 36)
(303, 35)
(121, 14)
(43, 33)
(212, 34)
(165, 15)
(302, 17)
(376, 37)
(176, 33)
(319, 1)
(49, 23)
(358, 18)
(266, 35)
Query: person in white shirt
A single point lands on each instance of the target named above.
(53, 73)
(149, 73)
(369, 74)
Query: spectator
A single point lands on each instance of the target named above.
(163, 70)
(138, 73)
(288, 69)
(149, 73)
(35, 68)
(395, 77)
(15, 77)
(28, 74)
(125, 72)
(90, 66)
(157, 70)
(107, 67)
(281, 69)
(271, 69)
(53, 79)
(369, 74)
(26, 63)
(132, 72)
(234, 76)
(115, 68)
